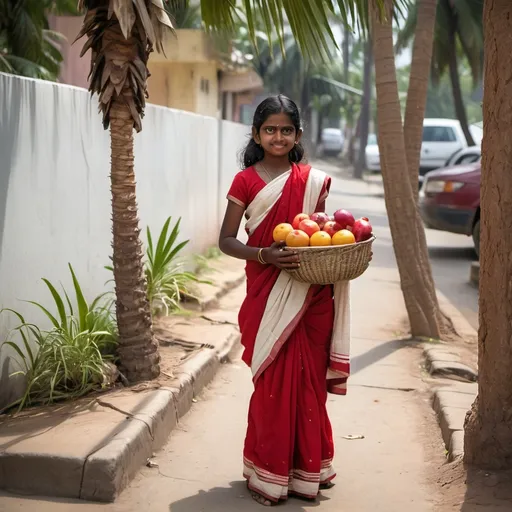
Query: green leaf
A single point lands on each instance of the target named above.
(58, 302)
(83, 308)
(53, 320)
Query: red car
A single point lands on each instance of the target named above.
(450, 200)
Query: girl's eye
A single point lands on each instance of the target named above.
(287, 131)
(269, 130)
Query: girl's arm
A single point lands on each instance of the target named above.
(228, 242)
(230, 245)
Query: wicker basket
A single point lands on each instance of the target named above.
(328, 265)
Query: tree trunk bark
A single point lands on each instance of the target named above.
(458, 101)
(365, 109)
(138, 349)
(488, 429)
(405, 223)
(418, 88)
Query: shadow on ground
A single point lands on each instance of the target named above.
(487, 490)
(234, 498)
(474, 490)
(452, 253)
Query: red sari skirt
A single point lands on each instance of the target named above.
(289, 446)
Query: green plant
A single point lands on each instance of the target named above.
(168, 281)
(70, 359)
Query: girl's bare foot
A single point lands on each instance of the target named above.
(258, 498)
(327, 485)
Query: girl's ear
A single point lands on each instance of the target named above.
(255, 135)
(299, 136)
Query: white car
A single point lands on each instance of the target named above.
(332, 141)
(372, 153)
(465, 156)
(442, 138)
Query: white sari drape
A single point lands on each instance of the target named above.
(287, 299)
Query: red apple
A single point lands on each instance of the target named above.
(344, 218)
(309, 227)
(331, 228)
(362, 229)
(320, 218)
(298, 219)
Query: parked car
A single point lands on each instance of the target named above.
(442, 139)
(450, 200)
(372, 153)
(332, 141)
(465, 156)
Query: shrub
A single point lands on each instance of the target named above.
(70, 359)
(168, 281)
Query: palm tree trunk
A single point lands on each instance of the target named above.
(458, 101)
(488, 429)
(418, 87)
(405, 223)
(365, 109)
(138, 350)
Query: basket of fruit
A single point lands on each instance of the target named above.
(331, 249)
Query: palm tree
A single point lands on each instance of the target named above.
(458, 30)
(425, 13)
(364, 124)
(488, 432)
(405, 222)
(27, 46)
(121, 35)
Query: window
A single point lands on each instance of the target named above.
(467, 159)
(438, 134)
(205, 85)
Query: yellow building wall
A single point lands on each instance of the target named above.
(185, 86)
(208, 91)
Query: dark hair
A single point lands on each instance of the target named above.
(253, 152)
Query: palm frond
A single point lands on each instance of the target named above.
(406, 33)
(27, 47)
(121, 35)
(309, 21)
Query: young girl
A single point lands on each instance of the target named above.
(292, 340)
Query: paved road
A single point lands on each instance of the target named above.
(451, 255)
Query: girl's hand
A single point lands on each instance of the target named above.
(279, 257)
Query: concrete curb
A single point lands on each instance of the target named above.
(451, 407)
(452, 402)
(442, 360)
(110, 469)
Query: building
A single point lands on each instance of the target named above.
(191, 76)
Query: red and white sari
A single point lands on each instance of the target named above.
(296, 339)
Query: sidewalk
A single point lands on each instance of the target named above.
(199, 468)
(93, 447)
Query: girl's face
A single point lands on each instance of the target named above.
(277, 135)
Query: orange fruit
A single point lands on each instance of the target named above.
(297, 238)
(281, 231)
(319, 239)
(343, 237)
